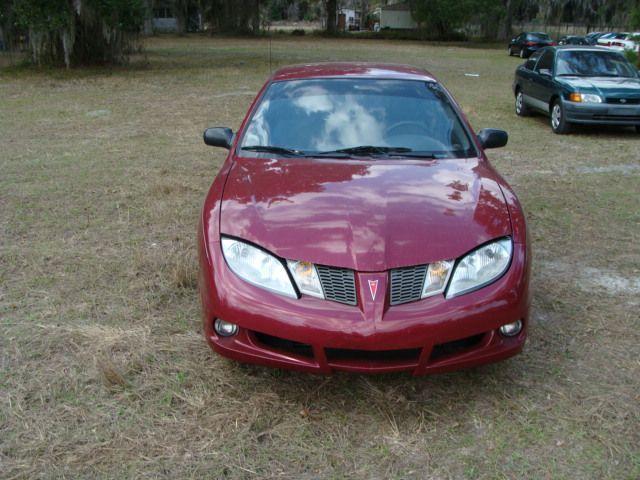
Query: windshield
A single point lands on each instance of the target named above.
(328, 115)
(589, 63)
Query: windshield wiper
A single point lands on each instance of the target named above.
(411, 154)
(370, 150)
(365, 150)
(611, 75)
(589, 75)
(274, 149)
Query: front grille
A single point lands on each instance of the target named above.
(407, 283)
(629, 118)
(339, 284)
(284, 345)
(456, 346)
(377, 356)
(619, 101)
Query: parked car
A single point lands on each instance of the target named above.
(620, 41)
(579, 85)
(592, 38)
(356, 224)
(573, 40)
(528, 42)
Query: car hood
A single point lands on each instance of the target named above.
(365, 215)
(604, 86)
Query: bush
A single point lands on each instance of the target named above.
(298, 32)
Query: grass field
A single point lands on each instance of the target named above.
(103, 369)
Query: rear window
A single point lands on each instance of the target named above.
(615, 36)
(537, 36)
(320, 115)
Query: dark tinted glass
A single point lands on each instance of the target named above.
(319, 115)
(575, 40)
(537, 36)
(592, 63)
(531, 62)
(546, 62)
(619, 36)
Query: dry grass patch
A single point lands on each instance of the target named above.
(104, 372)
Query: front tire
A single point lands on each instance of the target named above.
(522, 53)
(559, 124)
(510, 50)
(521, 108)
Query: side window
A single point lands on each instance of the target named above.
(546, 62)
(531, 63)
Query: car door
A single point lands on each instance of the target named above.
(517, 43)
(541, 86)
(526, 73)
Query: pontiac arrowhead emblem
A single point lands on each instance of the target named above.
(373, 288)
(623, 100)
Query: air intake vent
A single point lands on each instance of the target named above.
(338, 284)
(407, 283)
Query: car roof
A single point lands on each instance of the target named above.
(592, 48)
(351, 69)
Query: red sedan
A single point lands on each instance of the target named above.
(357, 225)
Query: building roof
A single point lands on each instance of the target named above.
(351, 69)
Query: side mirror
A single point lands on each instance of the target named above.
(218, 137)
(545, 72)
(493, 138)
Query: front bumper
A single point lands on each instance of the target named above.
(315, 335)
(602, 113)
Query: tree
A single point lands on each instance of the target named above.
(79, 32)
(332, 7)
(181, 11)
(439, 17)
(232, 16)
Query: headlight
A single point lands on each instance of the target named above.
(585, 98)
(437, 277)
(257, 267)
(306, 277)
(480, 267)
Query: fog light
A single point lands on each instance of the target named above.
(511, 329)
(225, 329)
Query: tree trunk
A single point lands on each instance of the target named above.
(256, 17)
(181, 13)
(331, 15)
(504, 31)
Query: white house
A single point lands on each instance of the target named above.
(163, 19)
(348, 19)
(396, 16)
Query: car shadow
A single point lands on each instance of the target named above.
(608, 131)
(525, 378)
